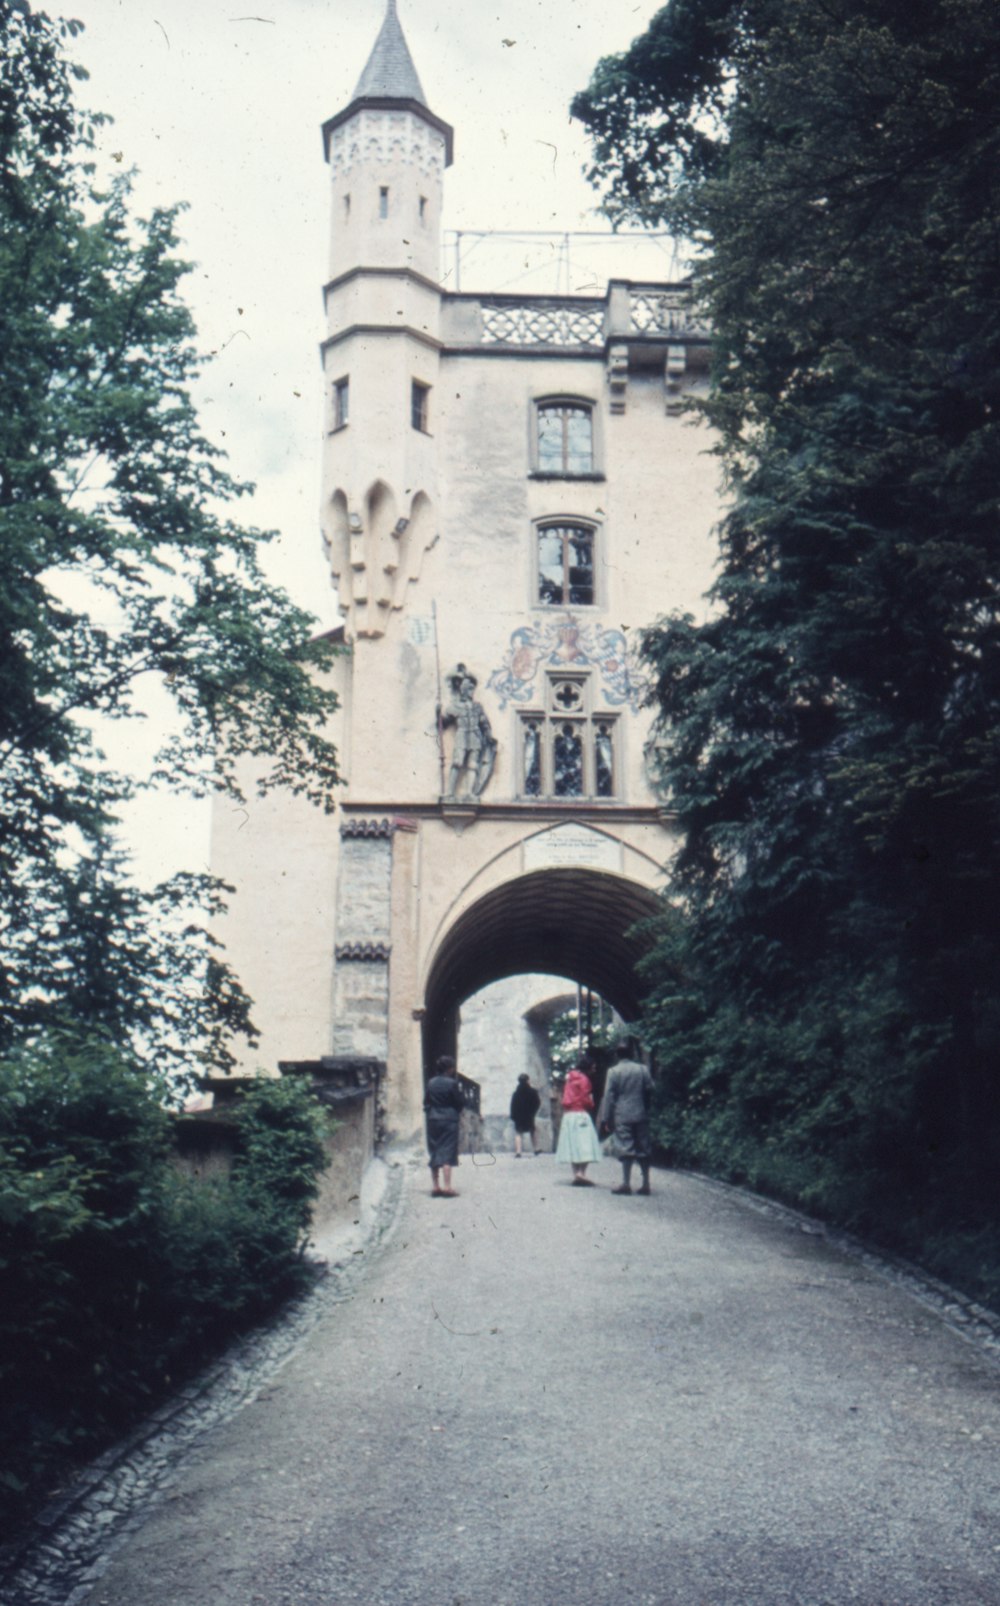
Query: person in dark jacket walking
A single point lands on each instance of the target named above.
(525, 1104)
(443, 1103)
(625, 1113)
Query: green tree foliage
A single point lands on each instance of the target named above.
(117, 1272)
(596, 1030)
(827, 1006)
(116, 566)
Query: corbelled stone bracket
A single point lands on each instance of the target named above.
(674, 375)
(366, 828)
(363, 952)
(617, 371)
(458, 815)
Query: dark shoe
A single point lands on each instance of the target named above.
(644, 1189)
(448, 1193)
(623, 1189)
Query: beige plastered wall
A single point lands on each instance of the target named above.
(654, 511)
(280, 854)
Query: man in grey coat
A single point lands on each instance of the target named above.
(625, 1112)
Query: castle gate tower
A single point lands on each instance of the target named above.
(510, 492)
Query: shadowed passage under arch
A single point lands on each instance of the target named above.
(567, 922)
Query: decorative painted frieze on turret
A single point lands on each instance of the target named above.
(387, 153)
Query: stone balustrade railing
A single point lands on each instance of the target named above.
(629, 312)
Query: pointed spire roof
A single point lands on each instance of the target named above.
(390, 73)
(389, 81)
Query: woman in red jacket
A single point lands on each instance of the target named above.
(578, 1144)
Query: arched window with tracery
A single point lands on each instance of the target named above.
(569, 748)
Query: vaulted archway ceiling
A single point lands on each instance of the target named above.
(565, 922)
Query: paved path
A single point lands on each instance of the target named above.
(546, 1396)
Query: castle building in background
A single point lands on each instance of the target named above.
(511, 491)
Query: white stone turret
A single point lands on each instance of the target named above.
(387, 153)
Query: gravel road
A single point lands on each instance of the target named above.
(537, 1395)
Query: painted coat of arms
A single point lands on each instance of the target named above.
(566, 642)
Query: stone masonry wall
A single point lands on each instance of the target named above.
(361, 957)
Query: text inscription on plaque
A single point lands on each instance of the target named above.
(572, 847)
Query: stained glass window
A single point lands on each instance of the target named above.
(568, 749)
(531, 731)
(604, 758)
(567, 761)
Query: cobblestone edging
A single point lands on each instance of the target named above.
(975, 1323)
(70, 1541)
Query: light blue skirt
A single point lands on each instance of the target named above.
(578, 1143)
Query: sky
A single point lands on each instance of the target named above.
(219, 106)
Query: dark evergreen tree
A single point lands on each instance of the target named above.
(116, 565)
(827, 1005)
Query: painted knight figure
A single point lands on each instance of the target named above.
(475, 748)
(508, 484)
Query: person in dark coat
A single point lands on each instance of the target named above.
(443, 1103)
(625, 1113)
(525, 1104)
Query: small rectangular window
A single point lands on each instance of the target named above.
(420, 405)
(383, 202)
(347, 207)
(341, 402)
(423, 209)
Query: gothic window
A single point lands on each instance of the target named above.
(568, 749)
(565, 565)
(420, 405)
(564, 439)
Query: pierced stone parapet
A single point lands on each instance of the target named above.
(665, 312)
(544, 323)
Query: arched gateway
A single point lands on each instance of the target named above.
(577, 923)
(511, 491)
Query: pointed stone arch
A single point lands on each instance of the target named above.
(336, 532)
(412, 539)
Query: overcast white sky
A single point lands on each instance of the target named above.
(219, 105)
